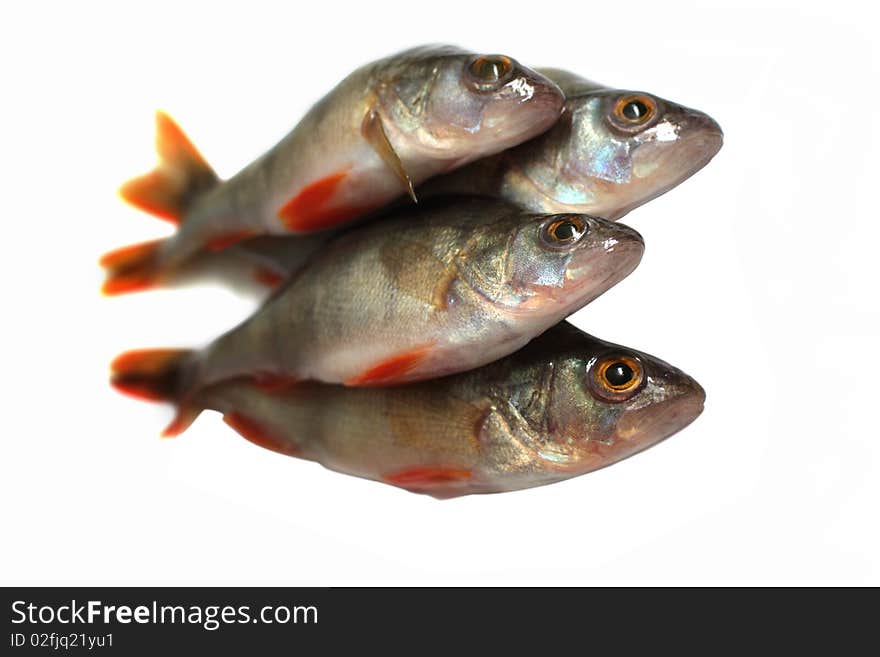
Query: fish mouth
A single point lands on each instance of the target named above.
(699, 140)
(591, 272)
(702, 144)
(531, 106)
(657, 421)
(635, 431)
(602, 267)
(549, 101)
(542, 91)
(661, 166)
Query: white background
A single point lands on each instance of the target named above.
(759, 279)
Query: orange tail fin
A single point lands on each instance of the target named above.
(181, 175)
(156, 375)
(131, 268)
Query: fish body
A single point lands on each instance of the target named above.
(463, 283)
(540, 415)
(385, 128)
(594, 160)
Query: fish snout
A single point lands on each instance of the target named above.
(611, 253)
(527, 106)
(704, 136)
(530, 85)
(680, 403)
(684, 402)
(625, 245)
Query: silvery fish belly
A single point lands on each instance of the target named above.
(417, 295)
(387, 127)
(565, 405)
(610, 152)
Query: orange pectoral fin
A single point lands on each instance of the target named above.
(310, 210)
(256, 433)
(392, 370)
(440, 482)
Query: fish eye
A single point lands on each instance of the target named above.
(633, 111)
(616, 377)
(619, 374)
(564, 230)
(488, 72)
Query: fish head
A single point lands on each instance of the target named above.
(614, 150)
(453, 107)
(599, 403)
(555, 264)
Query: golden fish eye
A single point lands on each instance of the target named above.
(616, 377)
(635, 110)
(490, 71)
(566, 230)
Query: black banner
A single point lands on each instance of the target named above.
(151, 621)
